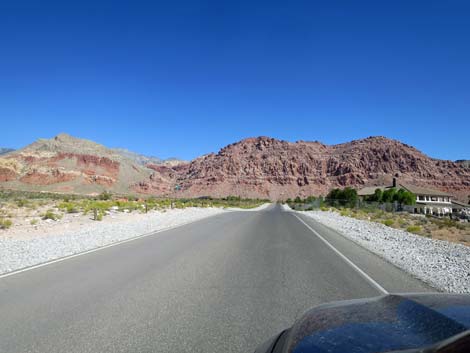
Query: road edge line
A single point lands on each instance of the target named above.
(67, 257)
(346, 259)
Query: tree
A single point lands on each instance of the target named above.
(377, 195)
(404, 197)
(387, 195)
(310, 199)
(349, 196)
(345, 197)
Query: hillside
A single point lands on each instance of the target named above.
(259, 167)
(144, 160)
(266, 167)
(68, 164)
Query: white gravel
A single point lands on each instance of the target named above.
(23, 250)
(443, 265)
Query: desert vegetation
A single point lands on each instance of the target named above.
(36, 208)
(427, 226)
(377, 207)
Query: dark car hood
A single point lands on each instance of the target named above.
(381, 324)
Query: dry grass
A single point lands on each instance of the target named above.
(33, 209)
(430, 227)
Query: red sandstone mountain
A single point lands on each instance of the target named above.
(255, 167)
(68, 164)
(268, 168)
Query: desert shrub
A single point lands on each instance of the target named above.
(5, 223)
(128, 205)
(413, 229)
(402, 222)
(99, 205)
(388, 222)
(178, 204)
(21, 202)
(68, 207)
(33, 222)
(51, 215)
(105, 195)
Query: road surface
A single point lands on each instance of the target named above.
(221, 284)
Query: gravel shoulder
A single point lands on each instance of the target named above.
(441, 264)
(29, 245)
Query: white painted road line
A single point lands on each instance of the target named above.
(349, 262)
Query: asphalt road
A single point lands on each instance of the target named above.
(222, 284)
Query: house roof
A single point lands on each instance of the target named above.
(460, 204)
(369, 190)
(417, 190)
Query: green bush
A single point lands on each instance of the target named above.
(388, 222)
(33, 222)
(99, 205)
(401, 196)
(21, 202)
(346, 197)
(105, 195)
(402, 222)
(5, 223)
(51, 215)
(68, 207)
(413, 229)
(404, 197)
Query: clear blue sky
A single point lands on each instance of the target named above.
(184, 78)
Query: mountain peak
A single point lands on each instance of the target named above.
(260, 166)
(64, 137)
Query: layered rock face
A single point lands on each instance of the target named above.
(268, 168)
(68, 164)
(260, 167)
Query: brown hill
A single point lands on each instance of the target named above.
(268, 168)
(260, 167)
(68, 164)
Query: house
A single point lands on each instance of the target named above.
(428, 201)
(461, 209)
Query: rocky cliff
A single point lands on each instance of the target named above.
(68, 164)
(268, 168)
(260, 167)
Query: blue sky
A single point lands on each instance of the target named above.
(184, 78)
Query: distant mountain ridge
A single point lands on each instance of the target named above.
(265, 167)
(463, 162)
(4, 150)
(260, 167)
(144, 160)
